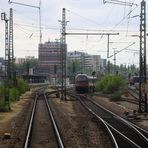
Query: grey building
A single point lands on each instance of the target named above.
(88, 63)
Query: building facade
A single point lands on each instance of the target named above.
(50, 59)
(88, 63)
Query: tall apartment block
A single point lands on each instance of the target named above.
(50, 59)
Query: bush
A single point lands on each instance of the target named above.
(110, 84)
(13, 94)
(100, 85)
(116, 96)
(1, 91)
(2, 106)
(22, 85)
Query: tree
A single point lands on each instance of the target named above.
(73, 67)
(24, 67)
(93, 73)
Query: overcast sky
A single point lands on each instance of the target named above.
(83, 16)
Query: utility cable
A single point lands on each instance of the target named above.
(124, 18)
(90, 20)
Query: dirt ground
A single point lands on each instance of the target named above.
(11, 122)
(78, 127)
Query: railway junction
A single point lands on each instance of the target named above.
(48, 116)
(76, 126)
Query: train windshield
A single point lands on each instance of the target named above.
(82, 78)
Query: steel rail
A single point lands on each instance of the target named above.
(102, 121)
(143, 131)
(123, 122)
(133, 144)
(28, 135)
(30, 124)
(133, 93)
(122, 119)
(123, 136)
(60, 141)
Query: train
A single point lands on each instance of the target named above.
(84, 83)
(134, 81)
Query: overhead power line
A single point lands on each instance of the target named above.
(87, 19)
(118, 2)
(38, 7)
(122, 50)
(124, 18)
(87, 33)
(47, 27)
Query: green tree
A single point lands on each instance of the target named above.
(110, 84)
(22, 85)
(73, 67)
(24, 67)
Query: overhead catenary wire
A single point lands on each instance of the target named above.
(128, 18)
(115, 24)
(22, 29)
(38, 7)
(47, 27)
(88, 19)
(124, 18)
(122, 49)
(119, 2)
(29, 31)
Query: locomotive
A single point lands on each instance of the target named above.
(84, 83)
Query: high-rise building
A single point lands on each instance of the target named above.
(50, 59)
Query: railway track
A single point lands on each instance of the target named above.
(42, 130)
(133, 93)
(125, 133)
(134, 97)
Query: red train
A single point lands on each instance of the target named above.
(84, 83)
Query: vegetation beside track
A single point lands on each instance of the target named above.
(12, 92)
(114, 85)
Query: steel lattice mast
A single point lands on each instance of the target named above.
(7, 68)
(142, 64)
(11, 51)
(63, 58)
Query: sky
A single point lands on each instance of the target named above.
(89, 16)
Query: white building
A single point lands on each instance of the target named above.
(87, 62)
